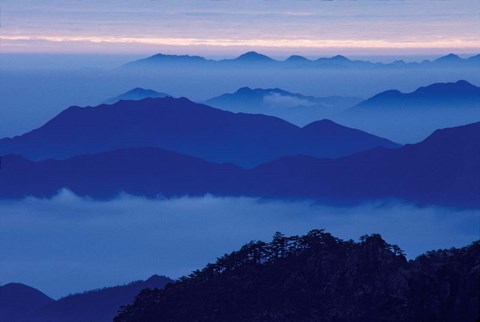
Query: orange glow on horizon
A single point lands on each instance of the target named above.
(14, 43)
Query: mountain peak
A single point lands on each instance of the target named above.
(297, 59)
(18, 299)
(136, 94)
(340, 58)
(452, 88)
(391, 93)
(157, 279)
(463, 82)
(261, 92)
(244, 90)
(235, 285)
(253, 56)
(461, 87)
(140, 89)
(164, 58)
(322, 123)
(448, 58)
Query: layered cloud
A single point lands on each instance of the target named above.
(355, 26)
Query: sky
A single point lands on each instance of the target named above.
(229, 27)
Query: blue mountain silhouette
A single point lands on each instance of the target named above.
(439, 94)
(21, 303)
(99, 305)
(410, 117)
(162, 59)
(295, 59)
(475, 58)
(185, 127)
(136, 94)
(253, 56)
(256, 60)
(293, 107)
(450, 58)
(17, 301)
(141, 171)
(441, 170)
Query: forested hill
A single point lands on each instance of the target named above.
(318, 277)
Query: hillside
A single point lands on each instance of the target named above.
(186, 127)
(293, 107)
(17, 301)
(318, 277)
(442, 170)
(95, 306)
(410, 117)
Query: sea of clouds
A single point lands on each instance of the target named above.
(70, 244)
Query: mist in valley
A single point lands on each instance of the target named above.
(70, 244)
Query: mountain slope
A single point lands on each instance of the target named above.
(95, 306)
(439, 94)
(421, 112)
(442, 170)
(143, 171)
(135, 94)
(318, 277)
(251, 57)
(185, 127)
(295, 108)
(18, 300)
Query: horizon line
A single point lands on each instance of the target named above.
(134, 45)
(275, 57)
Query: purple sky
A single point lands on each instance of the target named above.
(229, 27)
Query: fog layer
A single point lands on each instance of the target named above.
(70, 244)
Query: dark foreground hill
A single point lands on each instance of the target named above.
(20, 303)
(186, 127)
(442, 170)
(17, 301)
(318, 277)
(95, 306)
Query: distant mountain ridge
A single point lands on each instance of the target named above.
(422, 111)
(429, 96)
(293, 107)
(173, 58)
(442, 170)
(149, 172)
(93, 306)
(136, 94)
(252, 56)
(185, 127)
(256, 59)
